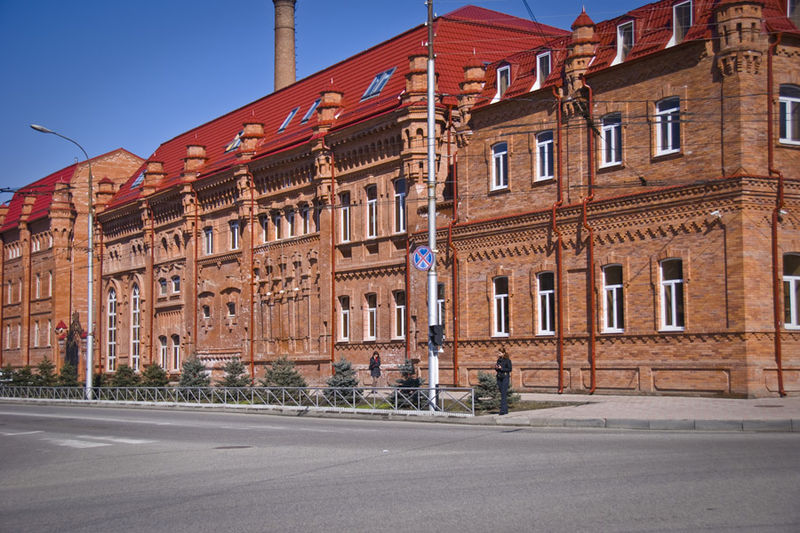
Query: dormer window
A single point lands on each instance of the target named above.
(378, 83)
(234, 144)
(288, 119)
(624, 41)
(793, 11)
(310, 111)
(503, 80)
(681, 22)
(542, 69)
(138, 181)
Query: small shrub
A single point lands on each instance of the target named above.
(125, 376)
(283, 374)
(46, 373)
(235, 374)
(487, 393)
(68, 376)
(408, 380)
(23, 377)
(193, 373)
(344, 377)
(154, 376)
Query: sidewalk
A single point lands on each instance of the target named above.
(657, 413)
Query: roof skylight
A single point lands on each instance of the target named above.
(288, 119)
(138, 181)
(234, 144)
(310, 111)
(378, 83)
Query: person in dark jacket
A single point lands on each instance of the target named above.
(503, 370)
(375, 367)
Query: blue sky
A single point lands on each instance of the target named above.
(133, 74)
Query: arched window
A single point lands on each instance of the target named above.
(136, 317)
(176, 352)
(111, 332)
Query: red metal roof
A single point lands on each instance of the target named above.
(42, 191)
(461, 36)
(652, 30)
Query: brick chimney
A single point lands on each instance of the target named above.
(284, 43)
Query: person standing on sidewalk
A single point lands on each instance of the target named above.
(375, 367)
(503, 370)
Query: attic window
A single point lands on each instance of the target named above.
(310, 111)
(288, 119)
(542, 69)
(138, 181)
(793, 11)
(503, 80)
(624, 41)
(378, 83)
(234, 144)
(681, 22)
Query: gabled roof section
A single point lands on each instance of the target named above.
(652, 32)
(42, 191)
(460, 35)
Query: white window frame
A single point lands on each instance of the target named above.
(668, 126)
(208, 240)
(545, 149)
(111, 331)
(789, 114)
(205, 310)
(545, 305)
(613, 302)
(163, 351)
(372, 211)
(49, 332)
(501, 310)
(136, 325)
(503, 81)
(673, 314)
(793, 12)
(175, 341)
(290, 224)
(38, 286)
(264, 228)
(36, 334)
(310, 111)
(231, 307)
(500, 166)
(176, 284)
(371, 303)
(162, 286)
(791, 296)
(49, 284)
(399, 205)
(305, 219)
(622, 50)
(277, 224)
(344, 218)
(288, 119)
(611, 140)
(676, 39)
(344, 318)
(378, 83)
(440, 304)
(234, 233)
(542, 59)
(399, 303)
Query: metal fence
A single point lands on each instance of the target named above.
(447, 401)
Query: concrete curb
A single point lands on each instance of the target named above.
(707, 425)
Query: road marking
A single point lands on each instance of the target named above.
(93, 418)
(74, 443)
(14, 434)
(116, 440)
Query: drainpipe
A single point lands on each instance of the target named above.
(196, 284)
(152, 280)
(556, 205)
(590, 248)
(100, 307)
(408, 294)
(28, 267)
(776, 277)
(252, 283)
(453, 249)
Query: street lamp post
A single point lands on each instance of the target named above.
(90, 278)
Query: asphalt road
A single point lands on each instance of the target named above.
(73, 469)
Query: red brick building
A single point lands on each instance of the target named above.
(618, 207)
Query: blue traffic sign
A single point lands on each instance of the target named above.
(422, 258)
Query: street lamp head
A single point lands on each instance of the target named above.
(41, 129)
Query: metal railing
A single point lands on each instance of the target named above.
(449, 401)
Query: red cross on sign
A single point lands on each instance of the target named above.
(422, 258)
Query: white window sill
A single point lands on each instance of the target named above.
(790, 142)
(667, 152)
(611, 165)
(503, 335)
(544, 178)
(546, 334)
(498, 189)
(671, 329)
(613, 331)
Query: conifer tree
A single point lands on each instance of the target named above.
(124, 377)
(193, 373)
(46, 373)
(235, 374)
(154, 376)
(408, 380)
(68, 376)
(23, 377)
(487, 393)
(343, 375)
(283, 374)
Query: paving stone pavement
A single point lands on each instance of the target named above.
(657, 413)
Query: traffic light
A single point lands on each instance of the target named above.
(436, 334)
